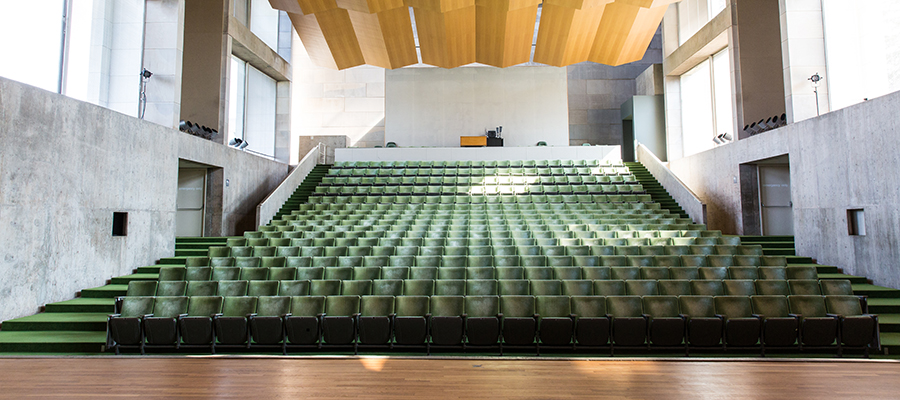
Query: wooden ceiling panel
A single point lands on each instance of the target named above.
(371, 41)
(439, 5)
(566, 34)
(397, 31)
(370, 6)
(446, 39)
(314, 6)
(313, 40)
(291, 6)
(625, 32)
(503, 33)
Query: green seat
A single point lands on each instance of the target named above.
(857, 329)
(609, 287)
(707, 287)
(772, 287)
(577, 287)
(818, 328)
(356, 287)
(801, 273)
(704, 326)
(674, 287)
(743, 273)
(201, 288)
(387, 287)
(629, 323)
(375, 316)
(254, 274)
(196, 328)
(232, 288)
(666, 324)
(161, 329)
(641, 287)
(508, 287)
(171, 289)
(262, 288)
(410, 322)
(330, 287)
(303, 326)
(172, 273)
(232, 326)
(418, 287)
(483, 320)
(808, 287)
(292, 288)
(447, 323)
(742, 327)
(311, 273)
(125, 326)
(339, 322)
(739, 287)
(481, 287)
(519, 321)
(780, 327)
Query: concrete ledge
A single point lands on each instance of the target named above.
(603, 153)
(692, 204)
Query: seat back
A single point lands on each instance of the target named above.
(513, 287)
(845, 306)
(233, 306)
(341, 306)
(136, 306)
(418, 287)
(697, 306)
(624, 306)
(376, 306)
(171, 288)
(707, 287)
(802, 273)
(770, 306)
(447, 306)
(232, 288)
(739, 287)
(553, 306)
(808, 287)
(480, 287)
(293, 288)
(411, 306)
(836, 287)
(661, 306)
(204, 306)
(517, 306)
(609, 287)
(482, 306)
(807, 306)
(171, 273)
(770, 287)
(202, 288)
(273, 306)
(674, 287)
(141, 288)
(641, 287)
(307, 306)
(589, 306)
(733, 306)
(546, 287)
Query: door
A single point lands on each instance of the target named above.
(775, 200)
(190, 201)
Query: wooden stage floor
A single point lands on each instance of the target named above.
(404, 378)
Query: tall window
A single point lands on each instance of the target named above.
(263, 21)
(88, 50)
(694, 14)
(862, 50)
(252, 107)
(706, 99)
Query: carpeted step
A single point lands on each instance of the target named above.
(823, 269)
(133, 277)
(779, 252)
(874, 291)
(889, 322)
(107, 291)
(152, 269)
(770, 245)
(58, 321)
(851, 278)
(211, 239)
(83, 305)
(52, 341)
(171, 261)
(192, 253)
(884, 305)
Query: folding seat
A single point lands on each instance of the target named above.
(772, 273)
(533, 273)
(124, 327)
(856, 329)
(743, 273)
(376, 261)
(339, 320)
(423, 273)
(577, 287)
(801, 273)
(161, 328)
(773, 261)
(701, 250)
(609, 287)
(809, 287)
(586, 261)
(232, 326)
(749, 250)
(172, 273)
(595, 273)
(654, 273)
(666, 324)
(232, 288)
(325, 287)
(704, 327)
(452, 273)
(311, 273)
(356, 287)
(772, 287)
(511, 272)
(628, 250)
(375, 319)
(747, 261)
(818, 328)
(678, 250)
(418, 287)
(247, 262)
(387, 287)
(221, 261)
(719, 261)
(482, 320)
(293, 288)
(546, 287)
(779, 325)
(641, 287)
(718, 273)
(269, 262)
(629, 323)
(739, 287)
(506, 260)
(641, 261)
(393, 272)
(567, 272)
(366, 273)
(519, 320)
(197, 273)
(196, 327)
(171, 289)
(303, 325)
(625, 273)
(201, 288)
(742, 326)
(196, 262)
(454, 261)
(613, 261)
(707, 287)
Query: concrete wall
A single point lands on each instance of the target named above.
(327, 102)
(842, 160)
(596, 93)
(602, 153)
(648, 116)
(67, 165)
(434, 107)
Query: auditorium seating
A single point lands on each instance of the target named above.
(520, 255)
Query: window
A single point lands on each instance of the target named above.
(706, 99)
(856, 222)
(32, 34)
(861, 50)
(252, 104)
(265, 22)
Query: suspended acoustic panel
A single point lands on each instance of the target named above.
(451, 33)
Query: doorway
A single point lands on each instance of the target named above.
(190, 202)
(776, 206)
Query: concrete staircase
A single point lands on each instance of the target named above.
(301, 194)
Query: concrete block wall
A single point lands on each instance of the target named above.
(846, 159)
(596, 94)
(67, 165)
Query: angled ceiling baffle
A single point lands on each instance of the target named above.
(342, 34)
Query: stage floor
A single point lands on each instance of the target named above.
(414, 378)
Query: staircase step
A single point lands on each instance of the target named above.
(874, 291)
(134, 277)
(851, 278)
(82, 305)
(887, 322)
(770, 245)
(107, 291)
(171, 261)
(799, 260)
(197, 246)
(151, 269)
(52, 341)
(212, 239)
(58, 321)
(825, 269)
(192, 253)
(884, 305)
(779, 252)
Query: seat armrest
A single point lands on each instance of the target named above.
(287, 315)
(835, 316)
(251, 315)
(500, 315)
(535, 316)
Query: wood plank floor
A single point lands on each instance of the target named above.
(262, 378)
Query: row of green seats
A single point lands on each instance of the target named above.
(618, 237)
(477, 179)
(489, 163)
(647, 322)
(633, 201)
(444, 209)
(479, 189)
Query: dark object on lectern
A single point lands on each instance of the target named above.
(494, 142)
(492, 134)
